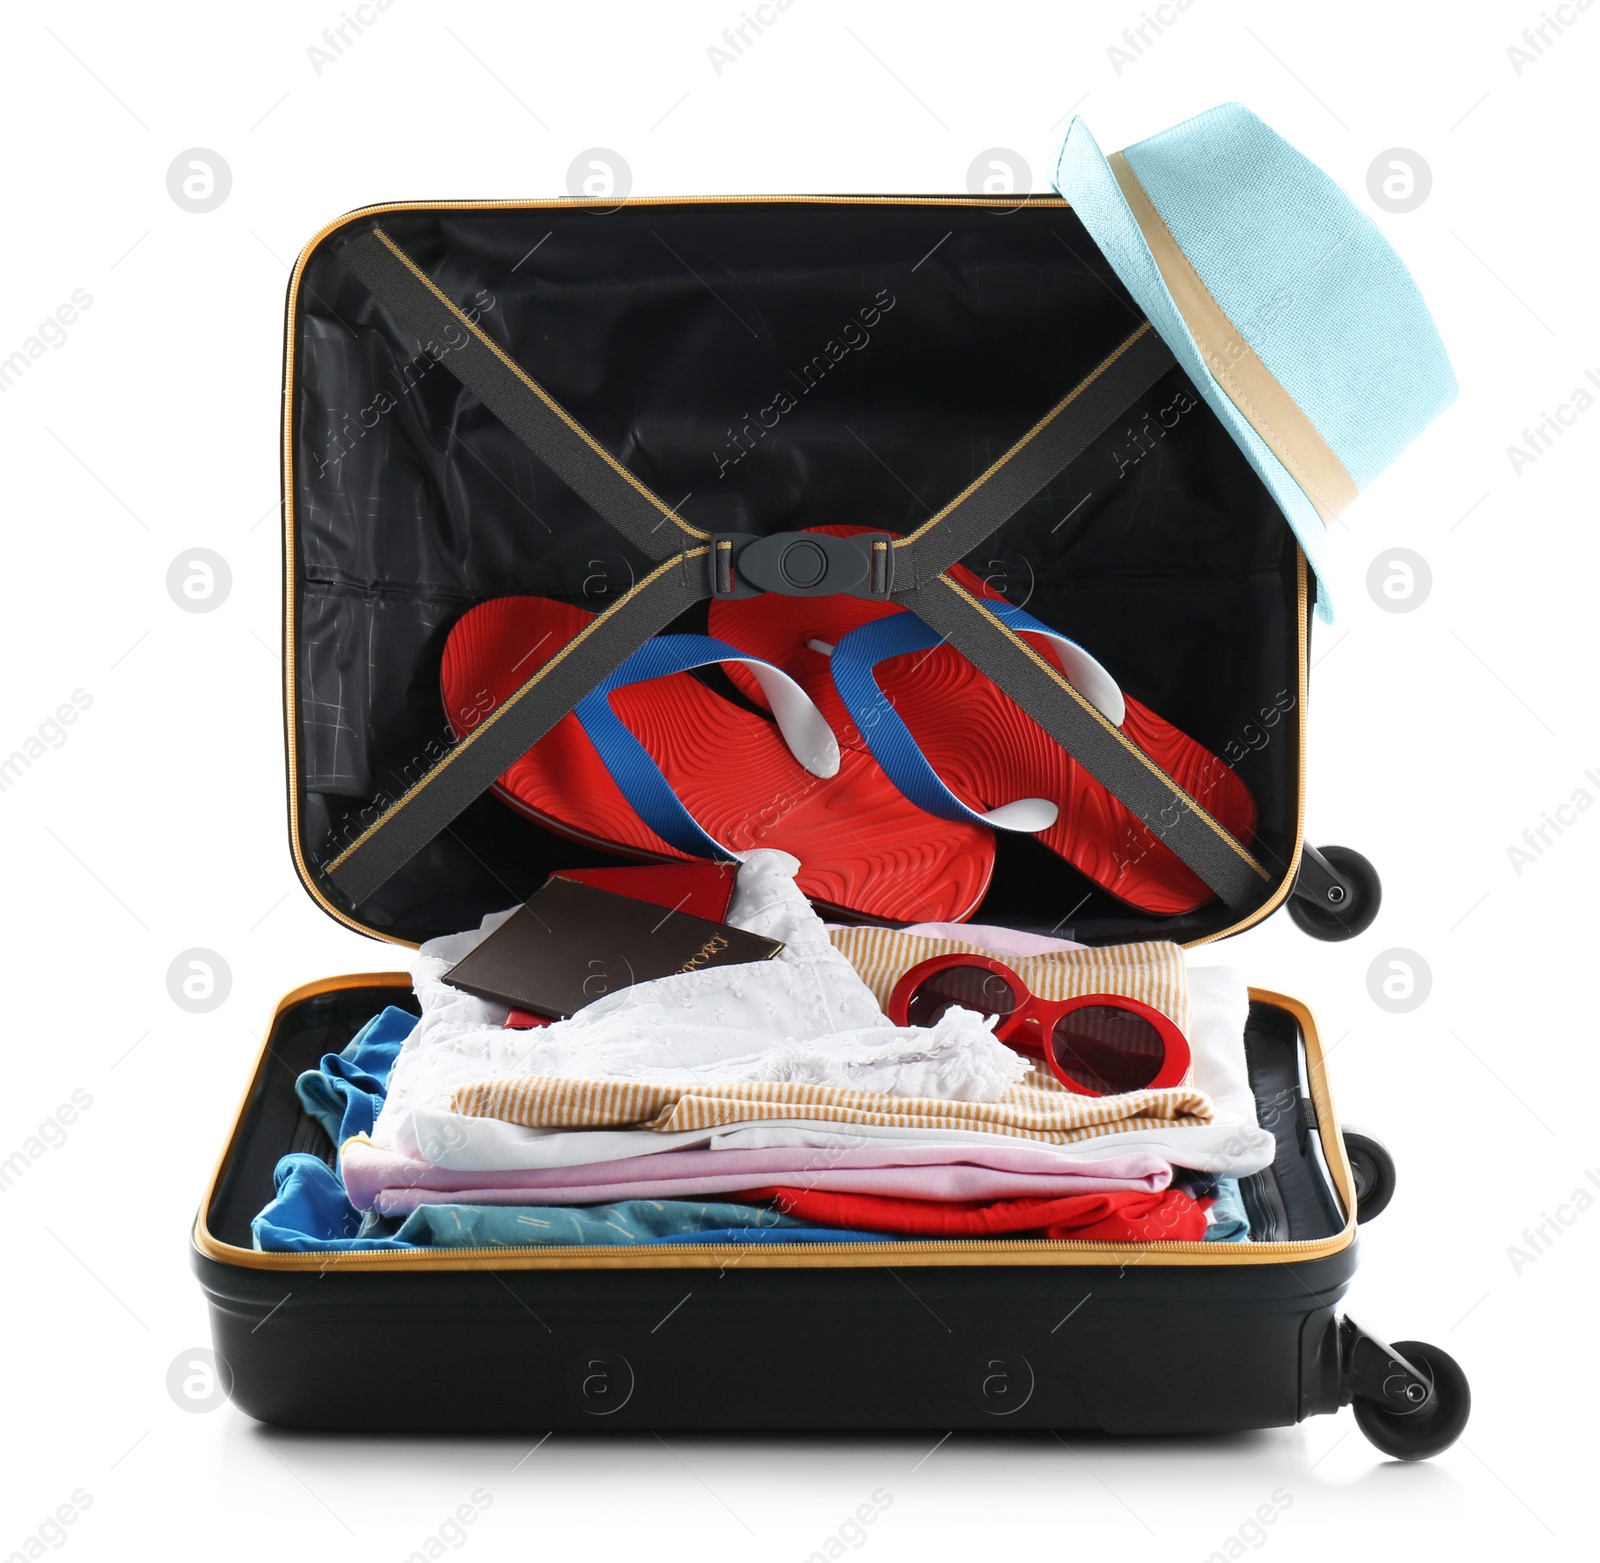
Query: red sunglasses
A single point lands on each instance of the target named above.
(1100, 1044)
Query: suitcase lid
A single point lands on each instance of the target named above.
(769, 364)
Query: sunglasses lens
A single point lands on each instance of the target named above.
(970, 987)
(1107, 1050)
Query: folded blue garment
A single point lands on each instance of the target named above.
(310, 1212)
(629, 1222)
(312, 1215)
(346, 1094)
(1226, 1220)
(625, 1224)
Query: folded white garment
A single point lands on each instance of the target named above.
(1221, 1000)
(1234, 1145)
(804, 1016)
(463, 1144)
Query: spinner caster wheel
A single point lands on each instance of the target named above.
(1336, 894)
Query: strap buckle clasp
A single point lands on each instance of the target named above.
(802, 564)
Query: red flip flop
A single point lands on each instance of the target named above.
(656, 765)
(962, 749)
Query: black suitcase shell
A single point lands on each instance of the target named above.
(666, 328)
(1024, 1333)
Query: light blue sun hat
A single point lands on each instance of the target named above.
(1285, 306)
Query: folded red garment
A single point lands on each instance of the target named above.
(1170, 1216)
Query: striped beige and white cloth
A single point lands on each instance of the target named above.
(1153, 973)
(1035, 1109)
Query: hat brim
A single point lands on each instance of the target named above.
(1084, 178)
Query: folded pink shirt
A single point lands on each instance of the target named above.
(392, 1184)
(998, 941)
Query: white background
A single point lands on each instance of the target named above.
(1437, 736)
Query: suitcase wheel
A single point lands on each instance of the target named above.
(1336, 894)
(1373, 1168)
(1438, 1418)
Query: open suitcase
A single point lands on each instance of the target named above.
(470, 387)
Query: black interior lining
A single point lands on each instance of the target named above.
(766, 367)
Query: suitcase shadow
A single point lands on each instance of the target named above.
(1176, 1464)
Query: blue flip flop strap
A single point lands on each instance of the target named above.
(854, 662)
(629, 763)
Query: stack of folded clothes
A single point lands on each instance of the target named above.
(772, 1102)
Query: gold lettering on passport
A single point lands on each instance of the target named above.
(712, 945)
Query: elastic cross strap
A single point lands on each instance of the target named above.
(685, 576)
(1122, 768)
(1053, 443)
(516, 399)
(514, 726)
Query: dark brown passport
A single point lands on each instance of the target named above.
(571, 944)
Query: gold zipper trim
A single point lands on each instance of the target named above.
(1065, 1252)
